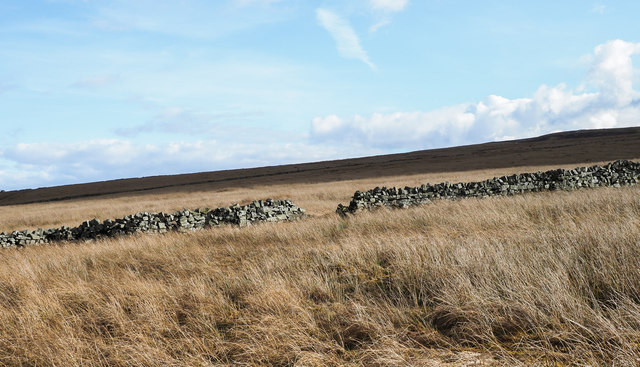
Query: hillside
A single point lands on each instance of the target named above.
(564, 148)
(542, 278)
(545, 278)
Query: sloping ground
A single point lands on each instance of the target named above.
(547, 278)
(556, 149)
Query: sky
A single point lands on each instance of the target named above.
(93, 90)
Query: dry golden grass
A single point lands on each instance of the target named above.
(538, 279)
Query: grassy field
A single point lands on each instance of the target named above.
(538, 279)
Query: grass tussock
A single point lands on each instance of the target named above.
(538, 279)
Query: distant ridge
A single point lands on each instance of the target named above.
(571, 147)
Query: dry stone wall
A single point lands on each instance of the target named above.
(186, 220)
(616, 174)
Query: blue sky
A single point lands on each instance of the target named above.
(96, 90)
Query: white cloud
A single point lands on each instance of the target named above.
(613, 71)
(47, 164)
(598, 8)
(384, 9)
(393, 130)
(346, 39)
(388, 5)
(379, 25)
(614, 103)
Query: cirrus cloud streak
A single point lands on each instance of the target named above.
(347, 40)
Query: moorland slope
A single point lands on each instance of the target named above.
(545, 278)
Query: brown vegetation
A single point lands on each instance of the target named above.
(538, 279)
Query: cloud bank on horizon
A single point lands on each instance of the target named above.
(614, 103)
(174, 104)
